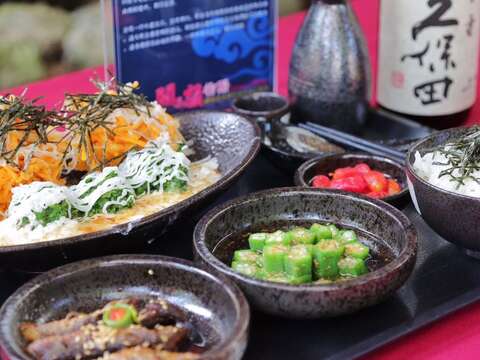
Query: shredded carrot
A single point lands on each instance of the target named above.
(44, 163)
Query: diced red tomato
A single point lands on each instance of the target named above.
(393, 187)
(377, 194)
(117, 314)
(362, 168)
(359, 179)
(343, 173)
(376, 181)
(321, 181)
(354, 183)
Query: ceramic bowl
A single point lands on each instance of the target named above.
(221, 320)
(386, 230)
(232, 139)
(326, 164)
(271, 111)
(453, 216)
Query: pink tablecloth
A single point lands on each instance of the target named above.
(455, 337)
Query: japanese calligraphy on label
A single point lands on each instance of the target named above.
(428, 55)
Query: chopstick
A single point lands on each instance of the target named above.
(354, 141)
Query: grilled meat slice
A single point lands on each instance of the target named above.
(160, 312)
(72, 322)
(144, 353)
(93, 340)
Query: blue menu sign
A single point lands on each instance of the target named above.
(196, 53)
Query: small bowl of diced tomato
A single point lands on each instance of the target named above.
(373, 176)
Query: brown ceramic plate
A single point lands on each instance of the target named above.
(219, 323)
(389, 234)
(324, 165)
(231, 138)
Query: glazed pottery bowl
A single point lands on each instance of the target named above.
(324, 165)
(232, 139)
(454, 216)
(262, 106)
(386, 230)
(220, 320)
(272, 113)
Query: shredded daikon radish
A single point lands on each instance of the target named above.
(91, 188)
(154, 166)
(34, 198)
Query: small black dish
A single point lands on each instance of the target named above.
(262, 106)
(388, 232)
(221, 321)
(326, 164)
(287, 146)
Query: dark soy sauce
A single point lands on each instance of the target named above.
(380, 253)
(196, 342)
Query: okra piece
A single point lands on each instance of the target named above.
(297, 280)
(357, 250)
(346, 236)
(326, 255)
(276, 277)
(321, 232)
(301, 235)
(298, 261)
(248, 269)
(352, 267)
(279, 237)
(334, 230)
(245, 256)
(260, 274)
(257, 241)
(274, 258)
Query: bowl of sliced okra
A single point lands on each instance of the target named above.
(308, 253)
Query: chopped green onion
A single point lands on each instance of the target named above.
(120, 315)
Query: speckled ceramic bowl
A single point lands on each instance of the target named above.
(380, 225)
(216, 308)
(455, 217)
(324, 165)
(231, 138)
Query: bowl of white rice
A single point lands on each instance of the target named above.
(443, 175)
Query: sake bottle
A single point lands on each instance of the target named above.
(428, 59)
(329, 80)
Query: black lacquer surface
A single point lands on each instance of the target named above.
(443, 281)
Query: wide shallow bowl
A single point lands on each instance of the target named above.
(231, 138)
(324, 165)
(216, 307)
(383, 225)
(454, 216)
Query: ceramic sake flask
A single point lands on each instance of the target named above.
(329, 79)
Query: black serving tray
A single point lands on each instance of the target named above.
(444, 280)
